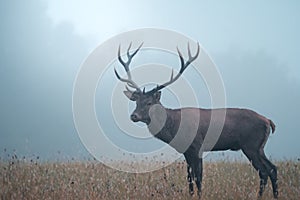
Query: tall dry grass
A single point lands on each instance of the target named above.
(20, 179)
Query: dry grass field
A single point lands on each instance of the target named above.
(92, 180)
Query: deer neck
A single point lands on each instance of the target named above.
(163, 123)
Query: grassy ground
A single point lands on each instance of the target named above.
(91, 180)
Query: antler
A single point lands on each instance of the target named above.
(184, 65)
(129, 80)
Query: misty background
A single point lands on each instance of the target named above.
(43, 43)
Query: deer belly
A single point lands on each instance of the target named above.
(227, 144)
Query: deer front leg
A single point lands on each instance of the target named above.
(198, 175)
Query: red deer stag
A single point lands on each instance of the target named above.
(243, 129)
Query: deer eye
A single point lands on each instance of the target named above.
(149, 103)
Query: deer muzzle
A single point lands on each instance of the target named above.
(135, 117)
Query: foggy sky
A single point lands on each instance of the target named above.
(42, 50)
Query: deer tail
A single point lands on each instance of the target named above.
(272, 125)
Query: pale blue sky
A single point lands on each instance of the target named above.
(255, 44)
(271, 26)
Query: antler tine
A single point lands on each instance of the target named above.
(183, 64)
(133, 54)
(129, 47)
(127, 88)
(192, 58)
(129, 81)
(181, 59)
(120, 59)
(172, 74)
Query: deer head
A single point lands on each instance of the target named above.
(145, 100)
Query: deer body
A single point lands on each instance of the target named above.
(240, 127)
(186, 129)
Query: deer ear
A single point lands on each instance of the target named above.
(130, 95)
(157, 95)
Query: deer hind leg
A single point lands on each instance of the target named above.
(272, 172)
(257, 163)
(190, 178)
